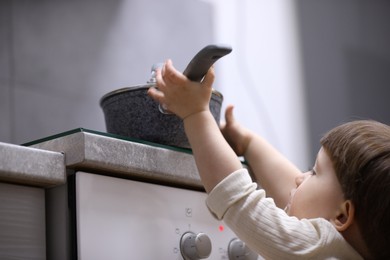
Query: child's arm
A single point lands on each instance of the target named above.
(190, 101)
(271, 169)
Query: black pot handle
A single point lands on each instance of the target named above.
(201, 63)
(203, 60)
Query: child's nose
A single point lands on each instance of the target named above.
(300, 178)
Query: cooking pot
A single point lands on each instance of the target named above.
(130, 112)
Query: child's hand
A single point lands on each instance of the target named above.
(237, 136)
(178, 94)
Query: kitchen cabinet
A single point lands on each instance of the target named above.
(25, 173)
(22, 222)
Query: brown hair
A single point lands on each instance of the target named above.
(360, 153)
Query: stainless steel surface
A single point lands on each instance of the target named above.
(30, 166)
(122, 158)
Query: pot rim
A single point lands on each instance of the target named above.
(125, 89)
(136, 87)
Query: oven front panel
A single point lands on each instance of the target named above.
(125, 219)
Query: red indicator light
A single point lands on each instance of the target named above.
(221, 228)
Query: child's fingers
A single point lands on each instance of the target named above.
(171, 75)
(222, 125)
(209, 78)
(156, 94)
(159, 79)
(229, 117)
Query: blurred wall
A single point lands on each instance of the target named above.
(262, 77)
(301, 67)
(58, 58)
(298, 68)
(345, 48)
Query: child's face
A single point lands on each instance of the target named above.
(318, 192)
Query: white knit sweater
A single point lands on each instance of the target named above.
(267, 229)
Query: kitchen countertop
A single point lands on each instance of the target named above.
(123, 157)
(30, 166)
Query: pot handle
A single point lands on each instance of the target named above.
(203, 60)
(201, 63)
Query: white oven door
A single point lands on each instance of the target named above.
(124, 219)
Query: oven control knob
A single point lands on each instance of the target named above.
(195, 246)
(237, 250)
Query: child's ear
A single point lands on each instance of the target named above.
(345, 216)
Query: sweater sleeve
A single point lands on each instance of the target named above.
(267, 229)
(236, 185)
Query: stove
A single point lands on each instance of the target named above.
(129, 199)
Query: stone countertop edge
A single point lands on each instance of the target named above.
(31, 166)
(115, 157)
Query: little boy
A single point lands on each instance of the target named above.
(339, 209)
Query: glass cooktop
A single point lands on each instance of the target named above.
(120, 137)
(125, 138)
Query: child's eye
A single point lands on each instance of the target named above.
(311, 171)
